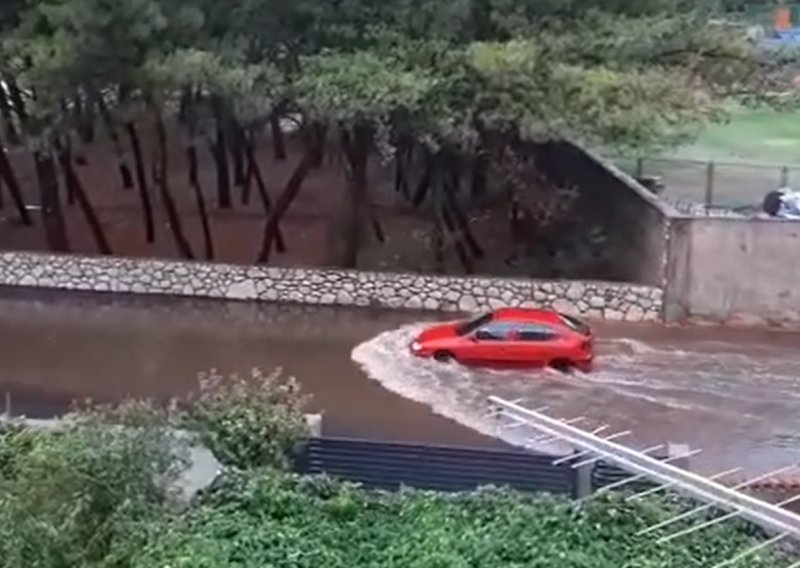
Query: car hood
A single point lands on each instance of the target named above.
(437, 333)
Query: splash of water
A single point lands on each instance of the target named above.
(708, 398)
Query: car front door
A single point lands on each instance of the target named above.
(489, 345)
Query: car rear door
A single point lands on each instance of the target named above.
(534, 345)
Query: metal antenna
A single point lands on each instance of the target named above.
(655, 490)
(642, 476)
(766, 515)
(548, 439)
(596, 459)
(713, 503)
(718, 520)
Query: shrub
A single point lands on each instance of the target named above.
(69, 494)
(249, 422)
(255, 520)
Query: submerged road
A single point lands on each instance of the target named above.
(733, 393)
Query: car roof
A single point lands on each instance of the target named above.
(527, 315)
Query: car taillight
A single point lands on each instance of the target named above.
(587, 345)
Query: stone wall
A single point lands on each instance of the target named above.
(593, 300)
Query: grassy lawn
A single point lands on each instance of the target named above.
(750, 136)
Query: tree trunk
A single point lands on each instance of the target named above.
(11, 182)
(460, 218)
(479, 178)
(17, 101)
(76, 189)
(144, 191)
(278, 140)
(402, 162)
(122, 164)
(12, 135)
(425, 181)
(438, 232)
(254, 173)
(194, 181)
(237, 155)
(162, 180)
(55, 229)
(455, 234)
(85, 118)
(318, 134)
(220, 151)
(356, 147)
(289, 194)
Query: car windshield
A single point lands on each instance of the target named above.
(468, 327)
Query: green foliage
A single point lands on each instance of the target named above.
(249, 422)
(68, 495)
(259, 521)
(620, 72)
(360, 88)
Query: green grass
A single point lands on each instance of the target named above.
(750, 136)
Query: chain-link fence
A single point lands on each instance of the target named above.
(700, 187)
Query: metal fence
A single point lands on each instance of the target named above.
(700, 187)
(391, 465)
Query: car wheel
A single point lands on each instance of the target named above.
(443, 356)
(562, 366)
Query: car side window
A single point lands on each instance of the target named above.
(536, 334)
(492, 333)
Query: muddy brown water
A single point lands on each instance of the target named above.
(733, 393)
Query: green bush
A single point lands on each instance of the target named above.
(255, 520)
(249, 422)
(72, 495)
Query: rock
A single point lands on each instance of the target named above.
(613, 315)
(430, 304)
(566, 307)
(344, 298)
(634, 314)
(576, 292)
(597, 302)
(245, 290)
(468, 304)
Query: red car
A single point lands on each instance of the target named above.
(511, 337)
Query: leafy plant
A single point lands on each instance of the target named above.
(266, 520)
(249, 422)
(70, 493)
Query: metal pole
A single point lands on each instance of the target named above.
(713, 503)
(717, 521)
(639, 168)
(710, 185)
(785, 176)
(766, 515)
(655, 490)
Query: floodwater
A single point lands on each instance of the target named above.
(57, 347)
(734, 394)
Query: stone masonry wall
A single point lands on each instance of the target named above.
(593, 300)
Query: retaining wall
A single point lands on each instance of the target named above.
(637, 222)
(734, 271)
(592, 300)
